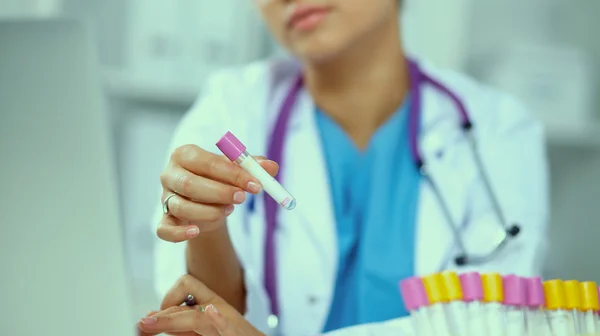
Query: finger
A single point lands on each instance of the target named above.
(146, 323)
(183, 321)
(220, 321)
(200, 189)
(186, 285)
(186, 210)
(215, 167)
(179, 321)
(168, 230)
(270, 166)
(141, 332)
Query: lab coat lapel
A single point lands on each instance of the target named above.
(306, 160)
(440, 145)
(311, 181)
(310, 227)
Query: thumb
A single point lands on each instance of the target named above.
(270, 166)
(220, 322)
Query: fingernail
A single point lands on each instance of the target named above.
(229, 210)
(149, 320)
(239, 197)
(192, 232)
(254, 187)
(213, 309)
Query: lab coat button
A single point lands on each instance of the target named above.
(313, 300)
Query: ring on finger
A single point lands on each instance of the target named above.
(190, 300)
(165, 205)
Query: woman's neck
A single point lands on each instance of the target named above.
(364, 86)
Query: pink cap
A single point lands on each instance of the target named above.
(413, 293)
(231, 146)
(472, 287)
(535, 292)
(514, 290)
(599, 298)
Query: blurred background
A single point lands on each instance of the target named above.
(155, 55)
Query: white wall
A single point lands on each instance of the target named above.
(29, 8)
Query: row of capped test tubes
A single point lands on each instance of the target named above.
(473, 304)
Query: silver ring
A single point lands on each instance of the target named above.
(165, 205)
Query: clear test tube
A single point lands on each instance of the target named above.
(416, 302)
(438, 298)
(235, 151)
(573, 304)
(537, 321)
(589, 307)
(561, 320)
(514, 304)
(456, 308)
(493, 298)
(473, 297)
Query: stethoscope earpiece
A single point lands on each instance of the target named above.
(513, 230)
(461, 260)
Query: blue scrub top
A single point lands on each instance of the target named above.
(375, 195)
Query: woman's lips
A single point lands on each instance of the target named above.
(307, 17)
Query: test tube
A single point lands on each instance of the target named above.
(573, 303)
(436, 293)
(473, 297)
(456, 308)
(416, 302)
(589, 303)
(514, 303)
(537, 321)
(493, 298)
(561, 321)
(598, 312)
(235, 150)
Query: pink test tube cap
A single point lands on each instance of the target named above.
(231, 146)
(471, 286)
(413, 293)
(515, 290)
(535, 292)
(598, 298)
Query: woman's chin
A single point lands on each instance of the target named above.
(317, 51)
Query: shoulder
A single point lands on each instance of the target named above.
(490, 109)
(233, 98)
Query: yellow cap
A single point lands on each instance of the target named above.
(434, 286)
(554, 291)
(572, 295)
(492, 287)
(589, 296)
(452, 284)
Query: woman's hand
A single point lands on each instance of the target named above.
(212, 316)
(206, 187)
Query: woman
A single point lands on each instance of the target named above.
(398, 169)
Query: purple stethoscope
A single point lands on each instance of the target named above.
(417, 78)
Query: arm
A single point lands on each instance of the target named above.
(210, 256)
(211, 259)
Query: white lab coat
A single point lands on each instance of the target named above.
(247, 100)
